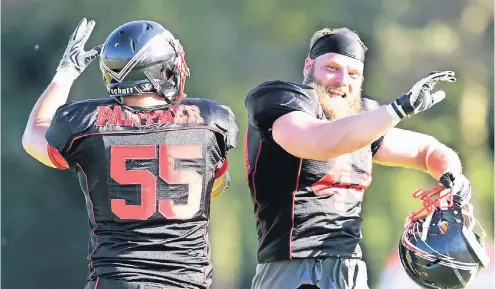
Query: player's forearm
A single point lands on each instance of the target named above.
(54, 96)
(440, 158)
(351, 133)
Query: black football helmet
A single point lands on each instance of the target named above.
(142, 57)
(441, 250)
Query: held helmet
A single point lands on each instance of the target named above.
(441, 250)
(143, 57)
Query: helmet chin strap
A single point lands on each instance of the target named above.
(426, 226)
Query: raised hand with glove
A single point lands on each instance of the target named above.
(74, 61)
(420, 97)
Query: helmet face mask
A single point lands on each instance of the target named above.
(441, 250)
(143, 57)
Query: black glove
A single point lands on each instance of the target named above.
(460, 185)
(420, 98)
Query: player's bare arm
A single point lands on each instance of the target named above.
(33, 140)
(73, 63)
(408, 149)
(307, 137)
(404, 148)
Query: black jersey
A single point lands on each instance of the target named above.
(304, 208)
(146, 174)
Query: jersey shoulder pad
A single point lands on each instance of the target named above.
(369, 103)
(72, 119)
(271, 100)
(218, 116)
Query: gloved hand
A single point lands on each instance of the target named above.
(75, 58)
(420, 98)
(460, 185)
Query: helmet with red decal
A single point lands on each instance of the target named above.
(143, 57)
(439, 248)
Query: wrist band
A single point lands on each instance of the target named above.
(62, 77)
(395, 116)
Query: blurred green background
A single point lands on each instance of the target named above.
(232, 46)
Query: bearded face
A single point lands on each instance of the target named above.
(337, 80)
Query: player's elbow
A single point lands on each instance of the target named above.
(34, 143)
(30, 147)
(28, 143)
(427, 145)
(437, 156)
(29, 139)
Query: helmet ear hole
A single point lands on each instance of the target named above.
(169, 73)
(166, 73)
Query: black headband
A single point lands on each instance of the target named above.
(347, 44)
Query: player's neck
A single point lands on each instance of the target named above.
(150, 99)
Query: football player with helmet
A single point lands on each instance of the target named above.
(309, 154)
(148, 159)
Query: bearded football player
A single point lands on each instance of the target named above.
(148, 159)
(309, 154)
